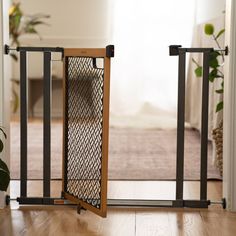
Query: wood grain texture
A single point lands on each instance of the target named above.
(186, 223)
(85, 52)
(152, 223)
(105, 135)
(65, 221)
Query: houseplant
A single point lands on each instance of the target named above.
(4, 173)
(21, 24)
(216, 63)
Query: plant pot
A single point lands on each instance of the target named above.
(2, 199)
(217, 135)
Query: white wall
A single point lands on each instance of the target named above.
(208, 9)
(73, 19)
(72, 23)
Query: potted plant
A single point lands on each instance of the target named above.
(216, 64)
(4, 174)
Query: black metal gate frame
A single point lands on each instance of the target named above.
(175, 50)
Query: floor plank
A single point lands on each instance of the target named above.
(219, 222)
(186, 223)
(152, 223)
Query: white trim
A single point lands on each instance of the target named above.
(229, 149)
(1, 63)
(5, 77)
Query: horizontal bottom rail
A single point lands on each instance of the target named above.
(158, 203)
(119, 202)
(43, 201)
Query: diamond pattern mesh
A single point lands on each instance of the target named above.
(84, 94)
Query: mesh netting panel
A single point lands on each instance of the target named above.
(84, 92)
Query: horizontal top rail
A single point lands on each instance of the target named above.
(196, 49)
(175, 49)
(34, 49)
(90, 52)
(99, 52)
(40, 49)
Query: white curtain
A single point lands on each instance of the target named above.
(144, 76)
(194, 85)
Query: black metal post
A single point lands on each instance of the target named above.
(204, 126)
(47, 124)
(180, 126)
(65, 127)
(23, 123)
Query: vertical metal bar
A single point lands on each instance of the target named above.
(65, 122)
(180, 126)
(23, 123)
(47, 124)
(204, 126)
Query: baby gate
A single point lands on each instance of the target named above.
(85, 130)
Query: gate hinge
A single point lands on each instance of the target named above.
(226, 50)
(7, 49)
(174, 50)
(110, 51)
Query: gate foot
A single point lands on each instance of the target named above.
(222, 202)
(7, 200)
(80, 208)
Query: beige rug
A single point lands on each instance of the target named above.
(134, 153)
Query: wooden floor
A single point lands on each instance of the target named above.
(64, 220)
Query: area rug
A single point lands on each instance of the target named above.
(148, 154)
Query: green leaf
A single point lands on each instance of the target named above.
(17, 82)
(219, 106)
(195, 62)
(209, 29)
(3, 132)
(37, 23)
(214, 54)
(14, 56)
(213, 61)
(212, 75)
(30, 29)
(4, 180)
(1, 142)
(15, 101)
(220, 33)
(16, 22)
(3, 166)
(4, 176)
(1, 145)
(220, 91)
(198, 71)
